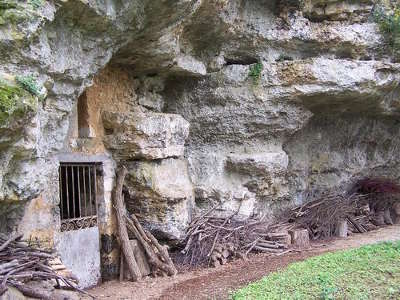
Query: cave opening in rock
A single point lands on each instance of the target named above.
(84, 128)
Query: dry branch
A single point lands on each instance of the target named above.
(156, 254)
(211, 240)
(123, 232)
(21, 262)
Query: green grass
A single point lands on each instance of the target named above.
(370, 272)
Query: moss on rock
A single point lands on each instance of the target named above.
(14, 12)
(14, 100)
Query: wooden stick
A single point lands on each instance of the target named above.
(153, 240)
(263, 249)
(30, 291)
(152, 256)
(164, 252)
(10, 240)
(121, 268)
(123, 233)
(253, 244)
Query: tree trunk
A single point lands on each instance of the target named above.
(300, 238)
(123, 232)
(341, 228)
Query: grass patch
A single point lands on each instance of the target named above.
(369, 272)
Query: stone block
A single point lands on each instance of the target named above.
(148, 136)
(161, 195)
(258, 163)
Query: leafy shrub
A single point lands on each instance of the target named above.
(389, 25)
(255, 72)
(35, 3)
(8, 99)
(29, 84)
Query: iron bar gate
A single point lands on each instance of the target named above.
(78, 194)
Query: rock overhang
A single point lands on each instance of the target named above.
(315, 64)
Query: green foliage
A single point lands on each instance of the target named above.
(29, 84)
(35, 3)
(14, 12)
(8, 4)
(389, 25)
(255, 72)
(15, 101)
(9, 96)
(370, 272)
(328, 289)
(11, 12)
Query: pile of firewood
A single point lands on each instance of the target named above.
(157, 255)
(212, 240)
(321, 215)
(354, 212)
(21, 264)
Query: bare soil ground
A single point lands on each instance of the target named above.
(220, 282)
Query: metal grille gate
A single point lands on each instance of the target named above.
(78, 193)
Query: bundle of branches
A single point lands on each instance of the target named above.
(157, 255)
(320, 216)
(367, 205)
(212, 240)
(21, 263)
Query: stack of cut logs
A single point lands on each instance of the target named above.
(150, 252)
(22, 266)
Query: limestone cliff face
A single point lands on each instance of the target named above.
(250, 103)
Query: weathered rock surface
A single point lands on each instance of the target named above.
(161, 194)
(249, 103)
(332, 150)
(238, 127)
(146, 136)
(319, 10)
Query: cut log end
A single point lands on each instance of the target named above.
(300, 238)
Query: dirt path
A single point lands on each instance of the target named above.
(219, 283)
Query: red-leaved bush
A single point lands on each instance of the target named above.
(376, 185)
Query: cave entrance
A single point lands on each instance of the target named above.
(85, 130)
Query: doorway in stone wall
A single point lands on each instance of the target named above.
(80, 187)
